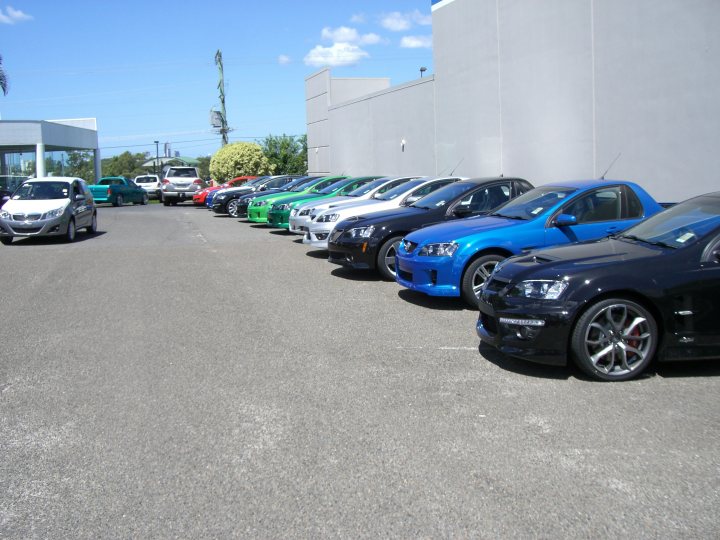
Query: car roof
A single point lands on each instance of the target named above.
(53, 179)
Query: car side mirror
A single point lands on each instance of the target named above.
(79, 197)
(565, 220)
(462, 211)
(5, 199)
(411, 200)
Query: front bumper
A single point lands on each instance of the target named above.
(39, 227)
(299, 224)
(257, 214)
(536, 331)
(357, 253)
(280, 219)
(318, 235)
(434, 276)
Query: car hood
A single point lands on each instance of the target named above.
(385, 216)
(460, 228)
(579, 258)
(33, 206)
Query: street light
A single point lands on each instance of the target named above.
(422, 70)
(157, 155)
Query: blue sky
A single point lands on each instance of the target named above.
(146, 70)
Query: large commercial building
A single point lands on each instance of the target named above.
(551, 90)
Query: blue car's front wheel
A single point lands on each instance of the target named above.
(475, 276)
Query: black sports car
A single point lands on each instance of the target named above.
(371, 241)
(235, 204)
(613, 305)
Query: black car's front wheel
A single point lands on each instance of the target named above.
(476, 275)
(614, 340)
(386, 258)
(232, 208)
(6, 240)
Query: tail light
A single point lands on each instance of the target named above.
(165, 181)
(198, 182)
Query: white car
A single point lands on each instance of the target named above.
(51, 206)
(151, 184)
(301, 216)
(324, 222)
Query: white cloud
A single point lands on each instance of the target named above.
(358, 18)
(395, 21)
(284, 60)
(421, 18)
(341, 34)
(370, 39)
(13, 15)
(339, 54)
(416, 42)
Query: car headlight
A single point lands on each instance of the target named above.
(305, 212)
(260, 203)
(294, 212)
(327, 218)
(542, 289)
(361, 232)
(57, 212)
(281, 207)
(442, 249)
(4, 214)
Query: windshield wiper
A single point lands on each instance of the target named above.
(646, 241)
(508, 217)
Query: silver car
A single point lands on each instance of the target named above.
(53, 206)
(180, 184)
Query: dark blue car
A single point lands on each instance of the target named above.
(455, 259)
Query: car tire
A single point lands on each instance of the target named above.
(6, 240)
(475, 276)
(166, 202)
(232, 208)
(386, 258)
(145, 199)
(71, 231)
(92, 228)
(118, 201)
(606, 332)
(160, 196)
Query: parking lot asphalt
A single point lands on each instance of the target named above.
(180, 374)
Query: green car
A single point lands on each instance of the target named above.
(279, 213)
(258, 209)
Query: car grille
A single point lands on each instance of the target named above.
(26, 217)
(409, 246)
(335, 235)
(26, 230)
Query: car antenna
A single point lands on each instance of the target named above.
(610, 167)
(456, 166)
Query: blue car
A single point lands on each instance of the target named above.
(455, 259)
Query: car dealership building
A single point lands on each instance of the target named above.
(551, 90)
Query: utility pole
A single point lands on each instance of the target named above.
(221, 87)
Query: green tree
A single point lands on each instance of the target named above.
(125, 164)
(239, 159)
(81, 165)
(287, 153)
(3, 79)
(204, 166)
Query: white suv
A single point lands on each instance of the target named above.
(180, 184)
(151, 184)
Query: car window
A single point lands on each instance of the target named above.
(105, 182)
(486, 199)
(599, 205)
(442, 196)
(42, 191)
(397, 191)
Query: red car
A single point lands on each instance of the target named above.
(200, 197)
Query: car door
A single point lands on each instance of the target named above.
(78, 201)
(695, 294)
(599, 213)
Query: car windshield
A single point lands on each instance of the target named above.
(399, 190)
(299, 182)
(145, 180)
(367, 188)
(318, 184)
(332, 188)
(680, 225)
(534, 203)
(42, 190)
(444, 195)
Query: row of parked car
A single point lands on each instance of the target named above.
(593, 271)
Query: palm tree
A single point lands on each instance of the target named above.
(3, 79)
